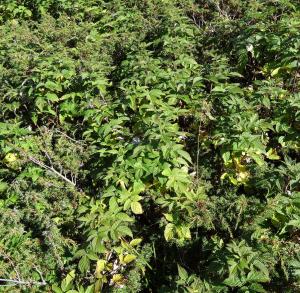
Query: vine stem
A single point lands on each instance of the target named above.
(198, 152)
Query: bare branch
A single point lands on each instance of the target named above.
(51, 169)
(43, 280)
(19, 282)
(72, 139)
(48, 157)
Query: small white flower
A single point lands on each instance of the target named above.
(248, 159)
(249, 48)
(136, 140)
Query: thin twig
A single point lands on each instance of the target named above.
(198, 25)
(198, 152)
(46, 167)
(72, 139)
(6, 256)
(223, 13)
(43, 280)
(47, 155)
(18, 282)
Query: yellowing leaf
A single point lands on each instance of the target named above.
(187, 232)
(117, 278)
(101, 263)
(10, 158)
(224, 175)
(169, 232)
(233, 180)
(240, 167)
(272, 155)
(129, 258)
(243, 176)
(67, 282)
(135, 242)
(136, 208)
(169, 217)
(275, 71)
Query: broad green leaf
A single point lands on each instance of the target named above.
(182, 273)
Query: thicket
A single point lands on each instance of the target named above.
(149, 146)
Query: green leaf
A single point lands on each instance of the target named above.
(257, 288)
(53, 86)
(182, 273)
(67, 283)
(124, 230)
(185, 155)
(138, 187)
(56, 289)
(258, 159)
(219, 88)
(124, 217)
(3, 186)
(52, 97)
(84, 264)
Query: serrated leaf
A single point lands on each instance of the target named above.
(257, 288)
(52, 97)
(182, 273)
(84, 264)
(124, 217)
(92, 256)
(125, 231)
(53, 86)
(258, 159)
(185, 155)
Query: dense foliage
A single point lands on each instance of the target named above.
(149, 146)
